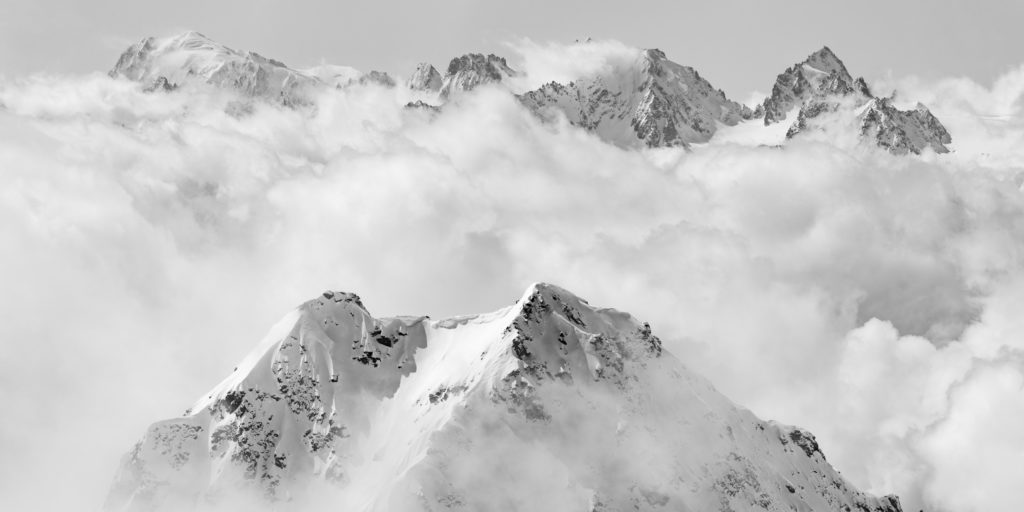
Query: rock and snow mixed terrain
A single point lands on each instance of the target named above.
(169, 62)
(547, 404)
(651, 101)
(821, 85)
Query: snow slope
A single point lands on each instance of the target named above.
(547, 404)
(193, 57)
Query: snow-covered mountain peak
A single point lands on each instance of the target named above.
(822, 91)
(825, 60)
(409, 413)
(652, 102)
(192, 57)
(426, 78)
(819, 76)
(472, 70)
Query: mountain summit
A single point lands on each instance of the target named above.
(649, 101)
(652, 101)
(193, 57)
(821, 85)
(548, 404)
(472, 70)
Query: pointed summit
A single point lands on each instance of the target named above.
(426, 78)
(818, 76)
(651, 101)
(825, 60)
(820, 86)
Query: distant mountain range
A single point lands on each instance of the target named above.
(652, 101)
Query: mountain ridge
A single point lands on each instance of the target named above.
(650, 102)
(409, 413)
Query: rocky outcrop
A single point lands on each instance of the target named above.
(473, 70)
(426, 78)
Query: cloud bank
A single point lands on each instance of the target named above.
(149, 240)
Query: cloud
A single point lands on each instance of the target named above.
(150, 239)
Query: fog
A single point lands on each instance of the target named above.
(149, 240)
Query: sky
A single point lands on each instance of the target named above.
(148, 241)
(738, 45)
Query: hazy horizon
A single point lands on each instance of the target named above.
(740, 46)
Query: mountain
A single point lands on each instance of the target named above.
(651, 101)
(193, 57)
(170, 62)
(548, 404)
(821, 76)
(473, 70)
(821, 85)
(426, 78)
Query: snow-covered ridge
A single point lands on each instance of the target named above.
(410, 413)
(191, 57)
(653, 102)
(648, 102)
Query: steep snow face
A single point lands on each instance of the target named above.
(473, 70)
(193, 57)
(820, 86)
(652, 102)
(426, 78)
(550, 403)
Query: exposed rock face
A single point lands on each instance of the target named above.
(822, 75)
(653, 102)
(472, 70)
(648, 102)
(550, 403)
(426, 78)
(377, 77)
(821, 85)
(904, 131)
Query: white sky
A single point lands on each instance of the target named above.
(740, 45)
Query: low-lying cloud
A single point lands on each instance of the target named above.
(149, 239)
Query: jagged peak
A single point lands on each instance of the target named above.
(490, 64)
(425, 78)
(826, 60)
(654, 54)
(425, 67)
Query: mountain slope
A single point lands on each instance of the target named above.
(473, 70)
(426, 78)
(548, 404)
(193, 57)
(820, 86)
(169, 62)
(652, 101)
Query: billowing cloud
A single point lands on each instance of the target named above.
(150, 239)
